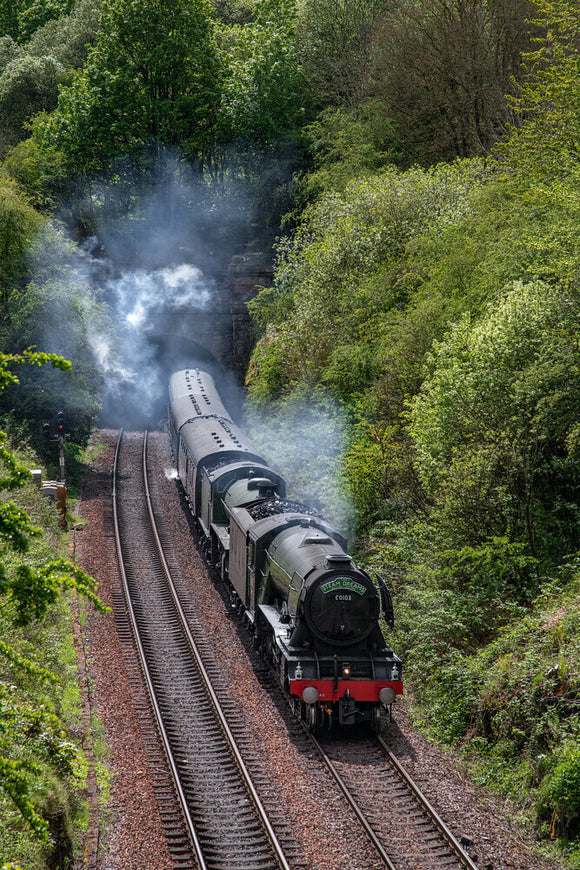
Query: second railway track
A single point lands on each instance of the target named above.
(405, 829)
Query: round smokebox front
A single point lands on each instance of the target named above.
(342, 608)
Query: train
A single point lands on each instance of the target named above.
(311, 611)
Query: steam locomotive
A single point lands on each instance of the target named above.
(312, 612)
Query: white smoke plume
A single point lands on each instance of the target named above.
(140, 294)
(153, 312)
(304, 441)
(160, 268)
(155, 273)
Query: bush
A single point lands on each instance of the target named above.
(559, 799)
(342, 276)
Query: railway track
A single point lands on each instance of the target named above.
(223, 823)
(405, 830)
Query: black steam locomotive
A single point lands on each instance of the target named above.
(312, 612)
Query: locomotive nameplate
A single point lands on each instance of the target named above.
(347, 583)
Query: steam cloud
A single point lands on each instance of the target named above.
(158, 271)
(305, 443)
(146, 286)
(155, 313)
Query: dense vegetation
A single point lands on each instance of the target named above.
(439, 308)
(40, 768)
(421, 162)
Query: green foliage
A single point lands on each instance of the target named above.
(27, 85)
(7, 361)
(514, 229)
(9, 18)
(18, 225)
(545, 143)
(9, 50)
(39, 171)
(342, 274)
(31, 73)
(58, 310)
(452, 604)
(492, 418)
(559, 798)
(498, 572)
(32, 737)
(442, 69)
(34, 588)
(337, 316)
(442, 309)
(438, 309)
(428, 80)
(336, 42)
(378, 470)
(153, 76)
(348, 144)
(235, 11)
(67, 38)
(521, 689)
(37, 13)
(264, 94)
(20, 19)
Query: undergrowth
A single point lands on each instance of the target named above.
(510, 701)
(56, 794)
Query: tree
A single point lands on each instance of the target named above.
(9, 18)
(37, 13)
(264, 96)
(341, 277)
(20, 18)
(443, 69)
(495, 424)
(235, 11)
(9, 50)
(46, 302)
(31, 73)
(548, 100)
(336, 46)
(152, 77)
(19, 223)
(27, 85)
(67, 38)
(349, 144)
(30, 738)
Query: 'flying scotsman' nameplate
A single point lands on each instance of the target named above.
(343, 583)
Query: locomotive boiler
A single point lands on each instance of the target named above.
(313, 613)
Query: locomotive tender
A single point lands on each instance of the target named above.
(312, 612)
